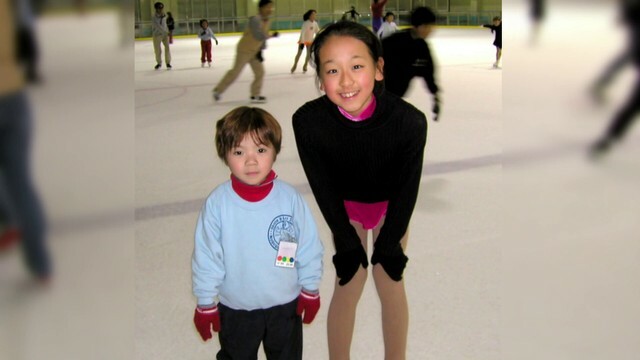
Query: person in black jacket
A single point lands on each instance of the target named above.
(406, 55)
(625, 116)
(362, 150)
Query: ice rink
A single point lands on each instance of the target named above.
(452, 277)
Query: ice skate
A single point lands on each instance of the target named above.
(258, 99)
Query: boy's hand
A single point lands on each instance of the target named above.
(216, 41)
(275, 34)
(309, 304)
(205, 319)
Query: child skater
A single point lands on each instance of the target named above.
(388, 26)
(257, 261)
(308, 31)
(365, 179)
(496, 28)
(205, 35)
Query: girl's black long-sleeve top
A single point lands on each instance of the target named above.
(378, 159)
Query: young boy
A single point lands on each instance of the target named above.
(257, 261)
(205, 35)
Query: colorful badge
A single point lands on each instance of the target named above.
(286, 254)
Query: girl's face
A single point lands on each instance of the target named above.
(251, 162)
(390, 18)
(312, 16)
(205, 24)
(348, 73)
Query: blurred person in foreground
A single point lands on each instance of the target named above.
(27, 42)
(15, 137)
(406, 55)
(625, 116)
(620, 62)
(537, 14)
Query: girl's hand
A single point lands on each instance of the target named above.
(392, 262)
(348, 263)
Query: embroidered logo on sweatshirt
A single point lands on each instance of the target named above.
(281, 229)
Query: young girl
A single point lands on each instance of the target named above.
(307, 33)
(205, 35)
(365, 178)
(388, 27)
(257, 260)
(496, 28)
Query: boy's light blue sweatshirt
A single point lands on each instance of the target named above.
(236, 244)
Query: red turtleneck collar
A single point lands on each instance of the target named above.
(368, 111)
(253, 193)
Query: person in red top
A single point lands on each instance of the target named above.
(377, 8)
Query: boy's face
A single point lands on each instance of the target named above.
(496, 22)
(251, 162)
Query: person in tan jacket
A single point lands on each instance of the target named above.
(249, 51)
(15, 135)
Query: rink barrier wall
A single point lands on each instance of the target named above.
(236, 25)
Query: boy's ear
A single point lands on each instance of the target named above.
(380, 69)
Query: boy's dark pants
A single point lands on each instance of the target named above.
(279, 329)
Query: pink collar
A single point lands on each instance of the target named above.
(363, 115)
(253, 193)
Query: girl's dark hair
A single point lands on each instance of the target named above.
(307, 15)
(232, 128)
(345, 28)
(158, 5)
(264, 2)
(389, 13)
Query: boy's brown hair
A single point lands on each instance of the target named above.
(231, 129)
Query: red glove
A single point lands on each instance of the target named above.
(205, 319)
(310, 304)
